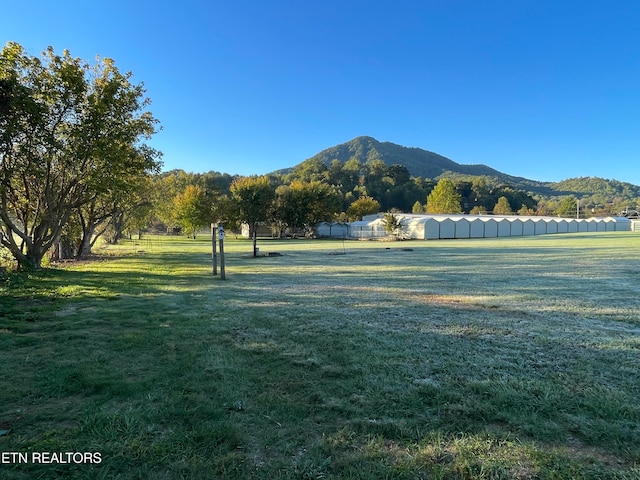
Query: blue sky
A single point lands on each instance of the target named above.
(541, 89)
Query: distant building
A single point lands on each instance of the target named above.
(431, 227)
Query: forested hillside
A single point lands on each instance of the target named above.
(600, 188)
(419, 163)
(429, 165)
(432, 166)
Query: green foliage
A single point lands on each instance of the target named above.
(310, 170)
(72, 135)
(444, 198)
(600, 186)
(478, 185)
(392, 224)
(502, 207)
(524, 210)
(478, 210)
(568, 207)
(364, 167)
(364, 205)
(480, 194)
(417, 207)
(304, 204)
(362, 174)
(417, 161)
(192, 209)
(253, 197)
(597, 196)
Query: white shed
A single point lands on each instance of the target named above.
(323, 229)
(552, 225)
(504, 227)
(622, 224)
(332, 229)
(583, 225)
(413, 227)
(476, 227)
(609, 224)
(563, 225)
(490, 226)
(540, 226)
(364, 230)
(516, 226)
(447, 227)
(431, 229)
(528, 227)
(590, 225)
(462, 228)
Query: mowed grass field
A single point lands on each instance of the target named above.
(513, 358)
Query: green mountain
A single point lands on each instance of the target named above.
(420, 163)
(426, 164)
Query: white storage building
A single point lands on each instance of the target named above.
(431, 227)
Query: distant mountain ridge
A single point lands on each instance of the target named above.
(426, 164)
(419, 162)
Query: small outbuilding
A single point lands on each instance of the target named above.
(332, 229)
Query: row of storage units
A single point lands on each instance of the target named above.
(430, 227)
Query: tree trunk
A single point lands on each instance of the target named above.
(88, 227)
(56, 252)
(32, 248)
(84, 250)
(255, 241)
(30, 261)
(118, 226)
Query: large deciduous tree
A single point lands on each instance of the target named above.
(109, 214)
(253, 197)
(444, 198)
(303, 204)
(502, 207)
(568, 207)
(70, 134)
(193, 209)
(364, 205)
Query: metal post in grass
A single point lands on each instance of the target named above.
(214, 257)
(221, 239)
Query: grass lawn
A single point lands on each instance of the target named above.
(513, 358)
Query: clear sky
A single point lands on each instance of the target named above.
(543, 89)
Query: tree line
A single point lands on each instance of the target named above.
(311, 193)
